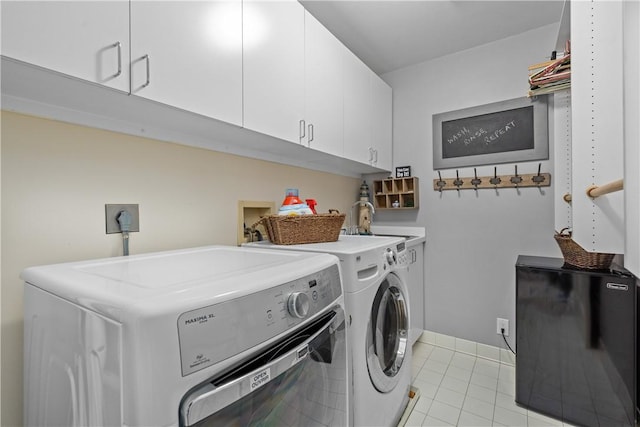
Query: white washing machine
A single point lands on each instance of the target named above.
(374, 274)
(212, 336)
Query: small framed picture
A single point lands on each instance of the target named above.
(403, 171)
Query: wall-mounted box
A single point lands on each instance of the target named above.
(396, 193)
(250, 212)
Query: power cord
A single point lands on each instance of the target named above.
(505, 341)
(124, 219)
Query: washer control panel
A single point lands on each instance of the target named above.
(213, 333)
(397, 255)
(403, 257)
(390, 256)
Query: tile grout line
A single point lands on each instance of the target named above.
(473, 368)
(465, 392)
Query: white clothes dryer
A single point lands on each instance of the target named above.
(374, 272)
(212, 336)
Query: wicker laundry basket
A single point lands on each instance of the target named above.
(294, 230)
(576, 256)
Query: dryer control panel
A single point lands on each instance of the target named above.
(213, 333)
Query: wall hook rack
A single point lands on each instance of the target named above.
(496, 181)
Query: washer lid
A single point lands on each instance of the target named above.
(176, 279)
(179, 269)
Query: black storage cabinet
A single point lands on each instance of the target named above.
(576, 342)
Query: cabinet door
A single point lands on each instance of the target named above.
(381, 123)
(188, 54)
(357, 110)
(84, 39)
(273, 70)
(367, 115)
(323, 88)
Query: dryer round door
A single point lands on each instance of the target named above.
(387, 334)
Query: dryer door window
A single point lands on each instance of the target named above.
(387, 334)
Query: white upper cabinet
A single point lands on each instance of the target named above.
(273, 72)
(267, 66)
(188, 54)
(367, 115)
(357, 110)
(84, 39)
(302, 85)
(381, 123)
(323, 88)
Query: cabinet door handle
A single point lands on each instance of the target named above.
(146, 59)
(302, 129)
(310, 134)
(118, 46)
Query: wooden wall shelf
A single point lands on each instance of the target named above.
(396, 193)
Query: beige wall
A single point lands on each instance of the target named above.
(56, 179)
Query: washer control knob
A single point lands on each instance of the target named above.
(298, 304)
(390, 256)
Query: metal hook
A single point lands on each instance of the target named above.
(458, 182)
(538, 179)
(440, 183)
(476, 181)
(516, 179)
(495, 180)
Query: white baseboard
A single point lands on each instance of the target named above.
(484, 351)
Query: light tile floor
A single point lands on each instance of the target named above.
(457, 389)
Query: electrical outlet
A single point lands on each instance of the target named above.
(502, 324)
(111, 213)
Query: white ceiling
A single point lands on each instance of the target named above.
(392, 34)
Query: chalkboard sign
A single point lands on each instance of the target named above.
(503, 132)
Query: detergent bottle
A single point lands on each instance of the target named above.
(292, 205)
(312, 205)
